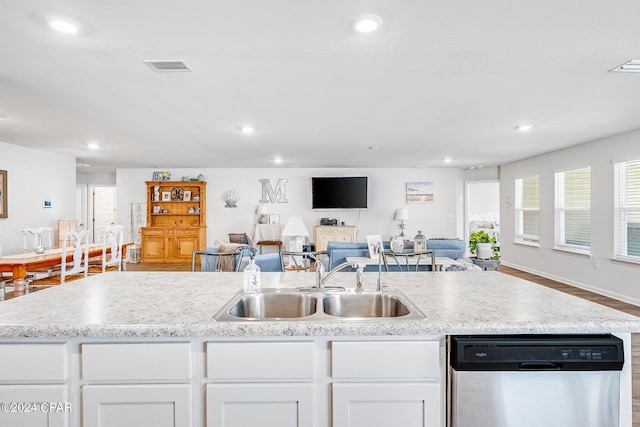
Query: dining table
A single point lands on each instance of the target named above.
(19, 264)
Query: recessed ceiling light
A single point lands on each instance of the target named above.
(63, 26)
(632, 66)
(277, 160)
(447, 160)
(373, 147)
(367, 23)
(247, 130)
(93, 145)
(524, 128)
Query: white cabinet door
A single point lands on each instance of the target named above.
(34, 406)
(156, 405)
(373, 405)
(264, 405)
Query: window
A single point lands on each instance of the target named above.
(627, 211)
(528, 210)
(573, 210)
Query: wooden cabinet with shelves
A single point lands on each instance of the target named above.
(176, 221)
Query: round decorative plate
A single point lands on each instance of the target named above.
(177, 193)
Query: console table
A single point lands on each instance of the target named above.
(268, 235)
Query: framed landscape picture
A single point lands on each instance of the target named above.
(3, 194)
(419, 192)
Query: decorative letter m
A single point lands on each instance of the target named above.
(270, 195)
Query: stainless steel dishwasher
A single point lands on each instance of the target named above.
(535, 380)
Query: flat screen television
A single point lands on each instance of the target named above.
(344, 192)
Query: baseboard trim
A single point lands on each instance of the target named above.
(580, 285)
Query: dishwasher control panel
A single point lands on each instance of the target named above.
(537, 352)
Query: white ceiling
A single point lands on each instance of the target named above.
(440, 78)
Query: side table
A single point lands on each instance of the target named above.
(263, 243)
(485, 264)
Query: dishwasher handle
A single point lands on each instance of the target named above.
(539, 366)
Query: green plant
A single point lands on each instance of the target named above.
(483, 237)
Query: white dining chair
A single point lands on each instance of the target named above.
(39, 236)
(112, 237)
(76, 242)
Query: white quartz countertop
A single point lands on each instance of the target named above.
(183, 304)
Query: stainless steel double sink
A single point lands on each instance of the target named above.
(288, 304)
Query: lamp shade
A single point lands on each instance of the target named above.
(262, 210)
(295, 227)
(401, 215)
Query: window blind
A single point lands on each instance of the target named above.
(573, 210)
(528, 209)
(627, 211)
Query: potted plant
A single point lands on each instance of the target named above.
(483, 246)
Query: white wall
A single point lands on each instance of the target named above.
(34, 175)
(443, 218)
(483, 197)
(597, 273)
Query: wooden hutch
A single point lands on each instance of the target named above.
(176, 221)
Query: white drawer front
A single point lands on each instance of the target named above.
(44, 362)
(255, 361)
(379, 360)
(136, 361)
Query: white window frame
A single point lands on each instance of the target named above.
(520, 236)
(560, 212)
(622, 209)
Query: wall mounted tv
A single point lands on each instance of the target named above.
(344, 192)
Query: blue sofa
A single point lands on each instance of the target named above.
(339, 251)
(450, 248)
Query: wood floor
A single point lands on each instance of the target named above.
(609, 302)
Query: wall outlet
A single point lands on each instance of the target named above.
(596, 264)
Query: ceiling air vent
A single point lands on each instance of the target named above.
(167, 65)
(632, 66)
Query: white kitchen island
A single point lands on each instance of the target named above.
(136, 349)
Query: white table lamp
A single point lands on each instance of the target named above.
(263, 211)
(401, 215)
(296, 231)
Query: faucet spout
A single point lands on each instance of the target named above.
(323, 277)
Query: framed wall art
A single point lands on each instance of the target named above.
(3, 194)
(419, 192)
(374, 242)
